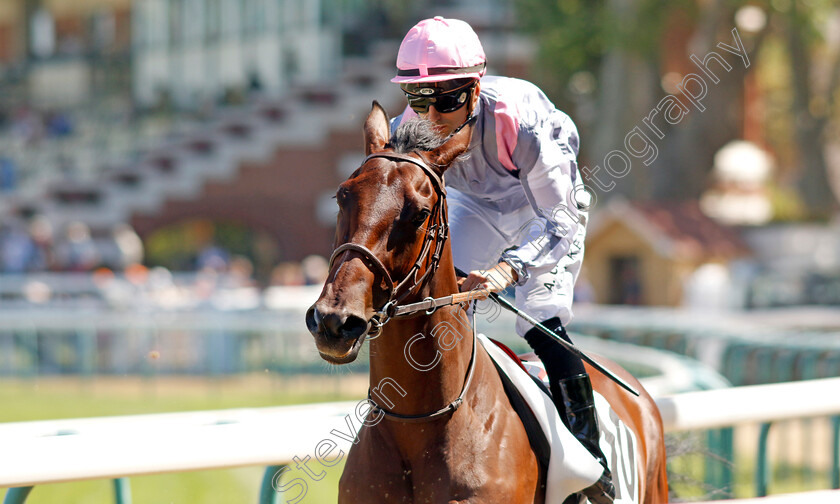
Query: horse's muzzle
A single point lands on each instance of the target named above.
(338, 336)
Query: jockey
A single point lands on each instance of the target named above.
(517, 208)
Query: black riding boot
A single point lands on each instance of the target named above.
(574, 400)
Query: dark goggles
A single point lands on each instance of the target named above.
(446, 96)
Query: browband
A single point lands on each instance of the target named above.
(436, 179)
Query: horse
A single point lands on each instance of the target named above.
(439, 428)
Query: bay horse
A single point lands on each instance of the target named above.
(449, 433)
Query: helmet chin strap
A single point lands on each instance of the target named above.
(470, 112)
(470, 119)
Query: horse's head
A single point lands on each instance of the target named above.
(390, 233)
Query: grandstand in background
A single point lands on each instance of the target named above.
(198, 110)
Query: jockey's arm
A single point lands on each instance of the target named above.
(550, 180)
(549, 177)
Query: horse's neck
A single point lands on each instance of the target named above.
(419, 364)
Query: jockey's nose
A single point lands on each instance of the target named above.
(433, 114)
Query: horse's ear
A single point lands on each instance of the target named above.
(456, 145)
(376, 129)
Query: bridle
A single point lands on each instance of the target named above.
(437, 232)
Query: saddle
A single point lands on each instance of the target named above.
(568, 466)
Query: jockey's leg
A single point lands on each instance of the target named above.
(572, 392)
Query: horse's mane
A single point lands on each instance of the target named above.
(415, 134)
(418, 134)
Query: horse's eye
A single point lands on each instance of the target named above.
(420, 218)
(341, 196)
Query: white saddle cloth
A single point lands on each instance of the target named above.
(571, 467)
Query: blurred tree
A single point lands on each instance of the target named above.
(805, 24)
(609, 62)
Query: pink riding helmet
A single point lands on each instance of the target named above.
(439, 49)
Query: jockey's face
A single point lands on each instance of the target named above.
(446, 123)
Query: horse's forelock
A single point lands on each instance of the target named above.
(415, 134)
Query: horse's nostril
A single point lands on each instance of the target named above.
(333, 325)
(353, 327)
(312, 319)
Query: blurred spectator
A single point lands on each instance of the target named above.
(288, 273)
(28, 126)
(315, 270)
(137, 274)
(78, 251)
(8, 174)
(120, 248)
(59, 125)
(213, 257)
(129, 245)
(41, 233)
(241, 272)
(17, 249)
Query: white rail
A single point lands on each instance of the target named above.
(757, 403)
(110, 447)
(53, 451)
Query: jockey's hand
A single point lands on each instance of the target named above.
(496, 279)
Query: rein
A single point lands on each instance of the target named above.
(438, 231)
(428, 417)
